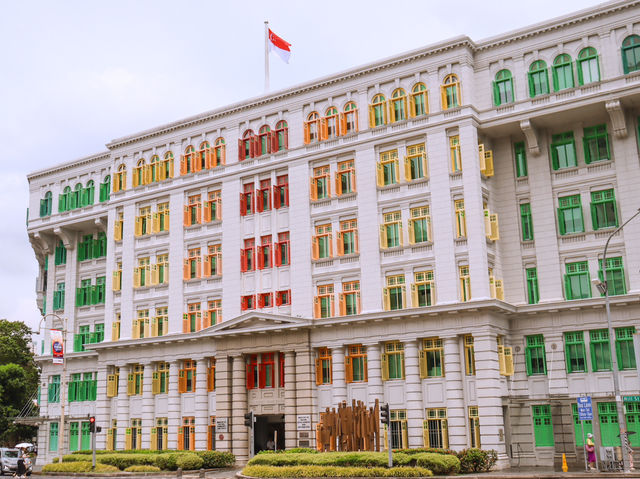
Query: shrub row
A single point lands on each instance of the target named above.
(142, 469)
(77, 466)
(334, 471)
(167, 460)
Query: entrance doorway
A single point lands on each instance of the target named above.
(267, 428)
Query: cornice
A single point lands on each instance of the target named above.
(70, 164)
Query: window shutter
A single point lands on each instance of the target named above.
(495, 231)
(277, 254)
(131, 387)
(414, 296)
(392, 112)
(508, 361)
(386, 300)
(348, 369)
(186, 270)
(306, 133)
(317, 311)
(372, 117)
(383, 237)
(396, 167)
(323, 129)
(180, 438)
(155, 387)
(424, 372)
(318, 372)
(250, 384)
(315, 248)
(313, 190)
(182, 381)
(527, 354)
(211, 375)
(412, 234)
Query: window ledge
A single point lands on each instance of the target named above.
(346, 196)
(393, 248)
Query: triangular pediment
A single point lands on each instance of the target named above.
(253, 321)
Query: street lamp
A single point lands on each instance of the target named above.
(63, 381)
(603, 287)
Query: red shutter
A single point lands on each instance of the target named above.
(276, 197)
(286, 138)
(278, 298)
(277, 256)
(243, 205)
(253, 202)
(274, 141)
(241, 150)
(262, 377)
(260, 301)
(286, 193)
(250, 384)
(281, 375)
(260, 258)
(260, 207)
(243, 260)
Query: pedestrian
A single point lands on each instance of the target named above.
(22, 468)
(591, 452)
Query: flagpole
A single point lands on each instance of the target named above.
(266, 56)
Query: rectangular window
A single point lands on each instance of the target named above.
(454, 153)
(469, 355)
(535, 355)
(576, 281)
(282, 249)
(474, 427)
(192, 211)
(526, 222)
(465, 283)
(570, 215)
(600, 350)
(394, 293)
(247, 200)
(187, 377)
(391, 230)
(248, 302)
(575, 352)
(323, 367)
(142, 274)
(609, 429)
(161, 379)
(596, 144)
(211, 374)
(247, 256)
(415, 163)
(580, 430)
(324, 302)
(213, 207)
(214, 312)
(192, 320)
(533, 296)
(143, 224)
(419, 225)
(563, 151)
(187, 434)
(137, 379)
(264, 252)
(194, 263)
(320, 183)
(322, 242)
(160, 323)
(392, 361)
(347, 239)
(604, 213)
(521, 159)
(615, 276)
(161, 218)
(267, 370)
(264, 196)
(58, 297)
(356, 364)
(346, 178)
(436, 433)
(461, 222)
(542, 425)
(53, 436)
(350, 298)
(423, 289)
(387, 172)
(161, 269)
(625, 352)
(432, 358)
(60, 254)
(283, 297)
(74, 433)
(281, 192)
(141, 324)
(265, 300)
(632, 416)
(159, 434)
(53, 392)
(397, 433)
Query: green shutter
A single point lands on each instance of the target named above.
(496, 94)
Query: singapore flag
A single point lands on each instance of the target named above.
(278, 45)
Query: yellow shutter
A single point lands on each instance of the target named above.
(171, 168)
(136, 177)
(384, 366)
(488, 162)
(425, 434)
(115, 285)
(414, 295)
(372, 117)
(135, 329)
(443, 97)
(115, 331)
(429, 233)
(138, 226)
(155, 277)
(499, 290)
(341, 305)
(396, 166)
(424, 165)
(392, 113)
(156, 222)
(386, 301)
(379, 174)
(154, 327)
(483, 166)
(405, 435)
(508, 361)
(404, 296)
(155, 383)
(136, 277)
(383, 237)
(313, 190)
(492, 287)
(445, 433)
(412, 234)
(423, 364)
(110, 439)
(127, 439)
(487, 223)
(131, 386)
(340, 243)
(111, 385)
(501, 360)
(494, 228)
(400, 235)
(146, 328)
(407, 169)
(154, 439)
(386, 438)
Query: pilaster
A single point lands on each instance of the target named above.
(456, 414)
(202, 404)
(290, 375)
(375, 387)
(123, 406)
(147, 405)
(413, 393)
(339, 383)
(173, 407)
(239, 431)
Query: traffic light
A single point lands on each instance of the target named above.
(248, 419)
(384, 414)
(92, 424)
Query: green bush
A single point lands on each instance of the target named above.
(342, 459)
(168, 462)
(122, 461)
(440, 464)
(189, 462)
(76, 457)
(216, 459)
(77, 466)
(297, 450)
(427, 449)
(477, 460)
(127, 451)
(333, 471)
(142, 469)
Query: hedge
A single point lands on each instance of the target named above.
(342, 459)
(334, 471)
(189, 462)
(168, 462)
(440, 464)
(78, 466)
(216, 459)
(142, 469)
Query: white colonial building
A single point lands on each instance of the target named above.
(422, 230)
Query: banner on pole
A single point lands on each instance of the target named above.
(57, 346)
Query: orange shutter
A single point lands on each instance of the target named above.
(307, 135)
(186, 271)
(318, 372)
(348, 370)
(207, 266)
(187, 216)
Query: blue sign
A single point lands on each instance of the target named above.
(585, 408)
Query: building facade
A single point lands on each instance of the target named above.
(422, 231)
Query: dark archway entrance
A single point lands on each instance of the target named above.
(266, 427)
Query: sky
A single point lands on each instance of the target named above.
(76, 74)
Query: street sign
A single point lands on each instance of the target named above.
(631, 398)
(585, 408)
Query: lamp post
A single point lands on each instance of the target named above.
(63, 380)
(603, 287)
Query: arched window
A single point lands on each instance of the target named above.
(588, 68)
(120, 179)
(154, 165)
(398, 109)
(503, 88)
(140, 173)
(188, 162)
(282, 133)
(419, 103)
(450, 92)
(204, 156)
(631, 54)
(264, 145)
(538, 79)
(166, 168)
(64, 199)
(75, 197)
(105, 189)
(562, 72)
(312, 128)
(219, 149)
(350, 118)
(332, 122)
(245, 145)
(378, 111)
(45, 204)
(88, 194)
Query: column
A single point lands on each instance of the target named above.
(202, 404)
(173, 407)
(413, 394)
(148, 409)
(176, 253)
(456, 413)
(489, 403)
(290, 422)
(103, 406)
(123, 406)
(306, 387)
(239, 432)
(375, 388)
(223, 400)
(339, 383)
(129, 262)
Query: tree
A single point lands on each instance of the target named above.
(19, 377)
